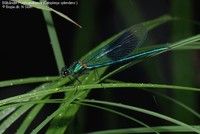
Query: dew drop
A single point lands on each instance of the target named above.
(56, 89)
(150, 84)
(33, 94)
(141, 84)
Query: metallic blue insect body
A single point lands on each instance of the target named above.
(118, 50)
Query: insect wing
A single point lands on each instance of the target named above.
(119, 48)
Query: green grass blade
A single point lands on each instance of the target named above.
(41, 6)
(60, 112)
(70, 112)
(20, 110)
(13, 117)
(28, 120)
(145, 111)
(176, 102)
(28, 96)
(118, 113)
(54, 40)
(23, 98)
(27, 81)
(187, 41)
(158, 21)
(189, 46)
(5, 112)
(166, 97)
(66, 112)
(47, 120)
(160, 129)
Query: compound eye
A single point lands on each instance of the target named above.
(64, 72)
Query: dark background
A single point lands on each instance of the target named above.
(26, 51)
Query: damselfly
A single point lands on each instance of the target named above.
(120, 49)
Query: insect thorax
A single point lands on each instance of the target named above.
(78, 68)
